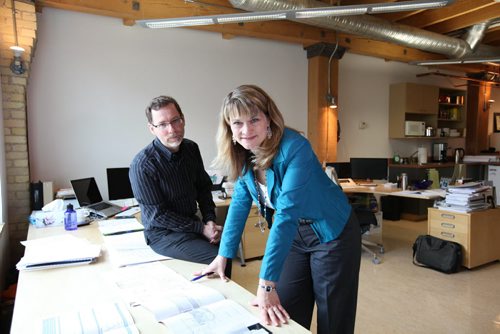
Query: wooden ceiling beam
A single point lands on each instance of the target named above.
(455, 10)
(285, 31)
(467, 20)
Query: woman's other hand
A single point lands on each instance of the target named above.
(217, 266)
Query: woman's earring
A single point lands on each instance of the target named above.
(234, 141)
(269, 132)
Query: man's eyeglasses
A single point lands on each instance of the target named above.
(176, 122)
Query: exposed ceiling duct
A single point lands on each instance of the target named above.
(376, 28)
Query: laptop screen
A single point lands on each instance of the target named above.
(86, 191)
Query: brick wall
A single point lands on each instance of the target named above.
(14, 115)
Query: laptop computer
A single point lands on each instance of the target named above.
(88, 195)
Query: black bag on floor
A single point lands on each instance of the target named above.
(438, 254)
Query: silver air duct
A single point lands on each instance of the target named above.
(376, 28)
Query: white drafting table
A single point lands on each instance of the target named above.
(50, 292)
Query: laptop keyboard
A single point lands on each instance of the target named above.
(99, 206)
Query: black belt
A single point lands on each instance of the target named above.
(305, 221)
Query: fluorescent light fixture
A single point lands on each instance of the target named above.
(491, 60)
(251, 18)
(408, 5)
(303, 13)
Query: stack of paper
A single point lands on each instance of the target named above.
(130, 248)
(58, 251)
(119, 226)
(125, 243)
(468, 197)
(102, 318)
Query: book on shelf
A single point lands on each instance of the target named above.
(181, 305)
(57, 251)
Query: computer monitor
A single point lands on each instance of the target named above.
(118, 183)
(369, 168)
(343, 169)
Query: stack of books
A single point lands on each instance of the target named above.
(466, 197)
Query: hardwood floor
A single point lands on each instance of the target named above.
(396, 296)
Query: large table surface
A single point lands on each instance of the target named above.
(50, 292)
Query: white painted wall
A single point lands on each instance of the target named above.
(92, 77)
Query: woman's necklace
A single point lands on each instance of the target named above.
(262, 201)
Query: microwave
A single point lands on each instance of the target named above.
(414, 128)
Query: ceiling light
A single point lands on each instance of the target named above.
(471, 60)
(303, 13)
(408, 5)
(17, 65)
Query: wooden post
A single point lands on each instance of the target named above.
(476, 138)
(322, 120)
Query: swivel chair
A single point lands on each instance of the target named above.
(366, 218)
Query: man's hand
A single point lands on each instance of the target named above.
(212, 232)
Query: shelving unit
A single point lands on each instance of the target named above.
(452, 110)
(439, 108)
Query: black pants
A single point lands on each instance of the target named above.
(185, 246)
(327, 273)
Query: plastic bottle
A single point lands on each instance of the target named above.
(70, 221)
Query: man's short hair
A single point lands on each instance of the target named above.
(159, 102)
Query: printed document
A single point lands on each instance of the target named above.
(181, 305)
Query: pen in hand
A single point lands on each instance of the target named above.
(201, 276)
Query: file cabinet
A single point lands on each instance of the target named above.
(253, 240)
(478, 232)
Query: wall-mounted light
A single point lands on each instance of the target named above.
(330, 99)
(17, 65)
(302, 13)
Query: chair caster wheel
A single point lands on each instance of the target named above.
(376, 260)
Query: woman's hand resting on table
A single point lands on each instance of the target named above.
(269, 305)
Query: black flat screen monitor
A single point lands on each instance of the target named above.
(343, 169)
(118, 183)
(369, 168)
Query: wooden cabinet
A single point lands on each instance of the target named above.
(253, 240)
(411, 102)
(478, 232)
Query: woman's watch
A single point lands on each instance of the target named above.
(267, 288)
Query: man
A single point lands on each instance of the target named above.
(169, 182)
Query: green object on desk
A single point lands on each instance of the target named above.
(434, 177)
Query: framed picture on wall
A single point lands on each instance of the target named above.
(496, 122)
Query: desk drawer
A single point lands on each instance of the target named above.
(451, 222)
(451, 235)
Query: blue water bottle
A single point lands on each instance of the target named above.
(70, 222)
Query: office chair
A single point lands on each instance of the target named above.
(363, 212)
(367, 218)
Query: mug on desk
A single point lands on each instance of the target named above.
(82, 215)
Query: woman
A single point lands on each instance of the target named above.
(314, 245)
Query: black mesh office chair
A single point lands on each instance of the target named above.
(367, 218)
(361, 205)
